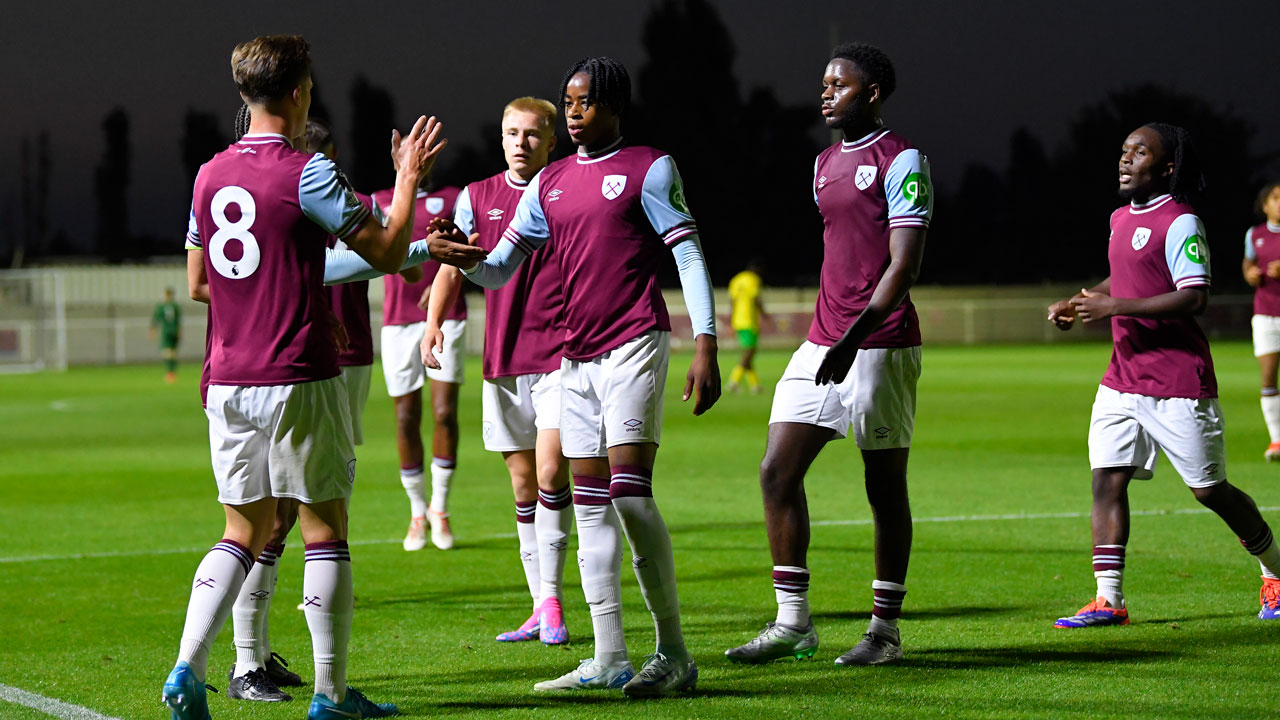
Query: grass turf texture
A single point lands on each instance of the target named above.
(112, 461)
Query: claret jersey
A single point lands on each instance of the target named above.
(1262, 245)
(400, 301)
(524, 324)
(610, 215)
(262, 213)
(350, 304)
(864, 189)
(1157, 248)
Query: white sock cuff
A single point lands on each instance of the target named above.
(791, 569)
(885, 585)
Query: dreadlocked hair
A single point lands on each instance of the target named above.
(242, 121)
(609, 85)
(1263, 194)
(1187, 179)
(872, 64)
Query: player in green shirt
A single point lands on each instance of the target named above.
(166, 323)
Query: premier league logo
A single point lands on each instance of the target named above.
(864, 176)
(1140, 238)
(612, 186)
(435, 206)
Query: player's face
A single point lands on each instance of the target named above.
(1144, 172)
(526, 143)
(1271, 206)
(845, 99)
(591, 125)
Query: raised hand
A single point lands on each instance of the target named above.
(417, 151)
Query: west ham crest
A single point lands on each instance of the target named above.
(435, 206)
(864, 176)
(1140, 238)
(612, 186)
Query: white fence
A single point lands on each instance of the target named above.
(106, 315)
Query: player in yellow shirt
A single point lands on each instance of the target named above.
(744, 295)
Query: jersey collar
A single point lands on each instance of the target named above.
(585, 157)
(263, 139)
(513, 181)
(1273, 228)
(865, 141)
(1148, 206)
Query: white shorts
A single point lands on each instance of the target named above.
(877, 397)
(519, 407)
(285, 441)
(357, 378)
(1126, 430)
(614, 399)
(1266, 335)
(402, 356)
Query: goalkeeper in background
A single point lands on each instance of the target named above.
(166, 324)
(744, 295)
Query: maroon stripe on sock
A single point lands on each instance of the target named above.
(448, 463)
(630, 481)
(411, 469)
(330, 550)
(1107, 558)
(888, 604)
(525, 510)
(588, 490)
(237, 551)
(1259, 543)
(790, 581)
(557, 500)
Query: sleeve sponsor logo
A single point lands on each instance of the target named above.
(864, 176)
(612, 186)
(916, 189)
(1196, 250)
(1140, 238)
(677, 197)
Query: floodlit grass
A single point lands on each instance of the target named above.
(107, 504)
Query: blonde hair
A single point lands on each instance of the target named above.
(268, 68)
(545, 111)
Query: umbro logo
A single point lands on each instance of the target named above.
(559, 545)
(554, 195)
(251, 151)
(882, 432)
(639, 562)
(822, 181)
(260, 594)
(495, 214)
(633, 425)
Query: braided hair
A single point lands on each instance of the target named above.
(872, 64)
(1187, 179)
(242, 122)
(609, 85)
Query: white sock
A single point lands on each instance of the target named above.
(887, 607)
(600, 560)
(441, 477)
(327, 597)
(213, 591)
(411, 479)
(527, 532)
(1264, 547)
(632, 493)
(553, 520)
(1108, 570)
(1271, 413)
(791, 589)
(250, 612)
(883, 627)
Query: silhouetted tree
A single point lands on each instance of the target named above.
(111, 183)
(202, 138)
(368, 159)
(319, 109)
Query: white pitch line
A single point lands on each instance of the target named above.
(49, 706)
(504, 536)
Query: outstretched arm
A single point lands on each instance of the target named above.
(344, 266)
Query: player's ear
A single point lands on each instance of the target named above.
(873, 92)
(551, 144)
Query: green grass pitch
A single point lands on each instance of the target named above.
(107, 504)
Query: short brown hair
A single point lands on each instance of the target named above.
(268, 68)
(544, 109)
(318, 135)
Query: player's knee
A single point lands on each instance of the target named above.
(408, 417)
(1214, 496)
(445, 413)
(776, 478)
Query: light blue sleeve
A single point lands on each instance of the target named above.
(530, 223)
(662, 198)
(1250, 252)
(463, 217)
(327, 198)
(695, 281)
(193, 232)
(342, 265)
(814, 186)
(909, 190)
(1187, 252)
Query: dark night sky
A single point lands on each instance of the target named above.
(969, 72)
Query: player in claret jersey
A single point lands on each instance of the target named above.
(1262, 271)
(279, 425)
(611, 212)
(523, 341)
(1159, 391)
(860, 363)
(403, 320)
